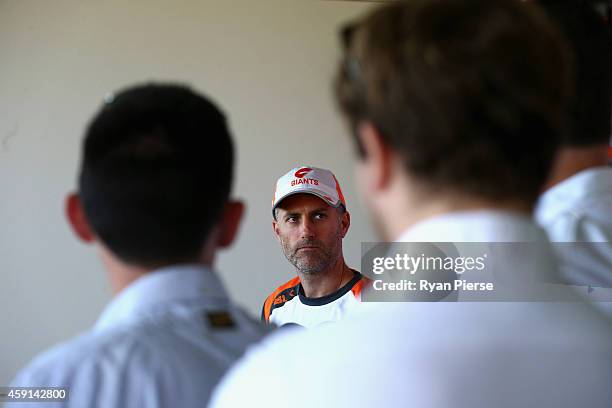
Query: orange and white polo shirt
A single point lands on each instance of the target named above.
(288, 304)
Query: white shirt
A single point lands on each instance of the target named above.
(578, 212)
(288, 305)
(164, 341)
(432, 355)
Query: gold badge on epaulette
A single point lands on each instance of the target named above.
(220, 320)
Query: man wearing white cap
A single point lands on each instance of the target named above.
(310, 220)
(456, 108)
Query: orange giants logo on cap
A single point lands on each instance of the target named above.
(302, 172)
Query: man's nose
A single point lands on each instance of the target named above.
(307, 229)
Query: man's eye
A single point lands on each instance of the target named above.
(320, 216)
(291, 220)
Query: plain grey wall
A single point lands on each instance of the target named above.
(268, 63)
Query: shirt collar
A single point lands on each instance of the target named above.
(475, 226)
(566, 194)
(160, 288)
(537, 261)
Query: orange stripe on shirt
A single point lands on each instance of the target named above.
(358, 287)
(270, 299)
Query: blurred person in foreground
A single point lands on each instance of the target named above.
(456, 108)
(153, 197)
(310, 220)
(576, 208)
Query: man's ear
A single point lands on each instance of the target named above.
(346, 222)
(276, 229)
(77, 219)
(375, 168)
(229, 224)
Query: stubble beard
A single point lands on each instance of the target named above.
(314, 263)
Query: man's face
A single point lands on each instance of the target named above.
(310, 232)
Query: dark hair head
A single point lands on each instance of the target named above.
(470, 93)
(590, 42)
(155, 174)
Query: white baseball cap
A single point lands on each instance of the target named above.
(309, 180)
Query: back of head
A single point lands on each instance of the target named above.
(590, 42)
(156, 172)
(469, 93)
